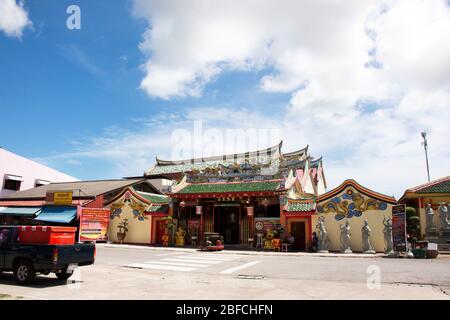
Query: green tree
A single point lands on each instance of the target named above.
(412, 223)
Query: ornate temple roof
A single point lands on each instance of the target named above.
(269, 157)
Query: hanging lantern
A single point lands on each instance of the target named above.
(198, 210)
(265, 202)
(250, 211)
(183, 204)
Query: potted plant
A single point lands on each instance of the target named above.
(169, 226)
(123, 229)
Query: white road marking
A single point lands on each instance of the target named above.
(205, 258)
(192, 260)
(177, 264)
(243, 266)
(168, 254)
(160, 267)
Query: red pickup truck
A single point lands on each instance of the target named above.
(26, 260)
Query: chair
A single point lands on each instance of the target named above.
(276, 243)
(250, 242)
(259, 240)
(285, 247)
(194, 242)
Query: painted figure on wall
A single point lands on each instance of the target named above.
(323, 234)
(345, 238)
(366, 245)
(443, 212)
(429, 217)
(387, 231)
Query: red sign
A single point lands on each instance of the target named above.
(399, 227)
(94, 224)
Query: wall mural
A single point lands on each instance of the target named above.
(138, 208)
(350, 204)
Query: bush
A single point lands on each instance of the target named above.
(412, 223)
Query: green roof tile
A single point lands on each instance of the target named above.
(300, 206)
(442, 187)
(153, 198)
(157, 208)
(260, 186)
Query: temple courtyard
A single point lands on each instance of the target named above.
(132, 272)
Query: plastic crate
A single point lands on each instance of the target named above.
(47, 235)
(419, 253)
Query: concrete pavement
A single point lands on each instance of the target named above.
(126, 272)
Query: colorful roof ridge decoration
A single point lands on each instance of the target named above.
(350, 182)
(271, 151)
(231, 187)
(267, 158)
(441, 185)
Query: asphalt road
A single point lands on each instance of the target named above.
(145, 273)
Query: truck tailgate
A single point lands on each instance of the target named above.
(80, 253)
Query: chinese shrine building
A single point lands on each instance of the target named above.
(245, 194)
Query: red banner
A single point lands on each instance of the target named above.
(94, 224)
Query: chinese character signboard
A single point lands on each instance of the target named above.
(399, 227)
(94, 224)
(60, 198)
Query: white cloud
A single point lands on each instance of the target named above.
(365, 78)
(13, 18)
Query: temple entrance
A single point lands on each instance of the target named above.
(298, 231)
(160, 228)
(226, 223)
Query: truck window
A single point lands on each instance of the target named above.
(3, 236)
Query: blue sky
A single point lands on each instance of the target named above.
(103, 101)
(59, 85)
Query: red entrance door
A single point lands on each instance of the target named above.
(160, 226)
(298, 231)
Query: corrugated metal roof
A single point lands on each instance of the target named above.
(81, 188)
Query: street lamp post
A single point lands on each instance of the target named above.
(425, 146)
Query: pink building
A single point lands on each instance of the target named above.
(18, 173)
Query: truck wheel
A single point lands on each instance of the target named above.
(24, 272)
(64, 274)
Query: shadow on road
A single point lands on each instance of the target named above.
(41, 281)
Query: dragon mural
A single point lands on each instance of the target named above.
(350, 204)
(138, 208)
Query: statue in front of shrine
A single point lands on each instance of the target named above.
(429, 213)
(179, 236)
(387, 222)
(443, 212)
(366, 245)
(323, 234)
(345, 238)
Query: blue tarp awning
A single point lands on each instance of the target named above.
(19, 211)
(58, 214)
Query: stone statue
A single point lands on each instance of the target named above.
(430, 217)
(366, 245)
(345, 238)
(323, 234)
(443, 211)
(387, 222)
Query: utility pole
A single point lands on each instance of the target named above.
(425, 146)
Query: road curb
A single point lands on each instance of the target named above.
(256, 253)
